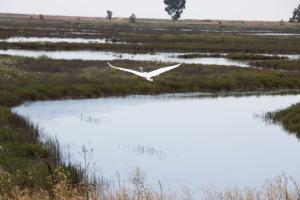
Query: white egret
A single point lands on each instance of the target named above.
(147, 75)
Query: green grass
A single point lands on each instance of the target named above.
(31, 79)
(240, 56)
(24, 156)
(199, 55)
(288, 65)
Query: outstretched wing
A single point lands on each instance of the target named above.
(162, 70)
(127, 70)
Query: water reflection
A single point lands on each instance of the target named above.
(144, 150)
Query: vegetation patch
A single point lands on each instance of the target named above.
(199, 55)
(239, 56)
(288, 65)
(289, 118)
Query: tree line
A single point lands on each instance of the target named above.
(176, 7)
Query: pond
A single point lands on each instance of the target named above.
(185, 141)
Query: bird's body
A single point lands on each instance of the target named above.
(146, 75)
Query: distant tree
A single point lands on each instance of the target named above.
(109, 14)
(175, 8)
(296, 15)
(41, 17)
(132, 19)
(281, 22)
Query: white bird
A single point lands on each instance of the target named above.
(146, 75)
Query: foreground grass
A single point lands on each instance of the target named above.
(289, 118)
(27, 156)
(281, 187)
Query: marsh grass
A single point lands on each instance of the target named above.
(288, 118)
(149, 39)
(287, 65)
(25, 79)
(27, 156)
(199, 55)
(240, 56)
(233, 56)
(210, 43)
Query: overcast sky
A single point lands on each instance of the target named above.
(195, 9)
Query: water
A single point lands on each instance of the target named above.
(183, 141)
(277, 34)
(58, 40)
(290, 57)
(109, 56)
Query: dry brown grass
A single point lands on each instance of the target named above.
(281, 188)
(62, 189)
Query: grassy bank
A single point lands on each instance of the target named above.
(233, 56)
(289, 119)
(27, 156)
(287, 65)
(24, 79)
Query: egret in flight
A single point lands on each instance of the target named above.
(146, 75)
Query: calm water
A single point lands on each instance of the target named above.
(277, 34)
(185, 142)
(103, 55)
(58, 40)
